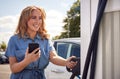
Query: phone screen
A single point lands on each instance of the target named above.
(33, 46)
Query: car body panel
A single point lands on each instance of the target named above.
(3, 58)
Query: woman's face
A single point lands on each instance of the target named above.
(35, 21)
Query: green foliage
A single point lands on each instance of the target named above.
(56, 37)
(72, 22)
(3, 46)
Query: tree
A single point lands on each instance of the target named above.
(3, 46)
(72, 22)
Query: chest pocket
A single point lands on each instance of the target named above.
(44, 58)
(44, 49)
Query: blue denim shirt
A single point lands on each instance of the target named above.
(17, 47)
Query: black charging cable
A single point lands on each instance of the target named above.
(92, 50)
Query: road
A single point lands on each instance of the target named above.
(4, 71)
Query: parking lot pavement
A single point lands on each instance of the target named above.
(4, 71)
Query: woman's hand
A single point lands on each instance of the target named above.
(31, 57)
(70, 64)
(19, 66)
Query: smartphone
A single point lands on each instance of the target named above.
(33, 46)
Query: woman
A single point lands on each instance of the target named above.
(31, 28)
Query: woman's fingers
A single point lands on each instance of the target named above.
(36, 50)
(33, 56)
(71, 64)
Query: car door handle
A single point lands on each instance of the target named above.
(57, 71)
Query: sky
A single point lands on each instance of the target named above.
(10, 10)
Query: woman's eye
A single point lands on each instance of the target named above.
(40, 17)
(33, 17)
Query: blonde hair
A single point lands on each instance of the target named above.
(25, 16)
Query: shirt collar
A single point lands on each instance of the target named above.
(38, 36)
(26, 36)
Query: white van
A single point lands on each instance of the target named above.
(65, 48)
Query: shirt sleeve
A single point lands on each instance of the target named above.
(10, 51)
(50, 46)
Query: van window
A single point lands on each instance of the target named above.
(62, 49)
(75, 50)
